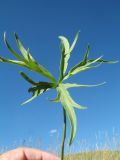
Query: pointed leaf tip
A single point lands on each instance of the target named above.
(16, 36)
(4, 33)
(74, 42)
(4, 37)
(28, 79)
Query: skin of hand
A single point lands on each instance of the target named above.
(27, 154)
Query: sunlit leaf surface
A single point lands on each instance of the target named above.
(38, 88)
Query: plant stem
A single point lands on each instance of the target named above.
(64, 135)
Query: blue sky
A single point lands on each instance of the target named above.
(38, 24)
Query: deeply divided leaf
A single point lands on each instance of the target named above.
(26, 60)
(68, 103)
(24, 52)
(64, 56)
(66, 50)
(12, 51)
(38, 88)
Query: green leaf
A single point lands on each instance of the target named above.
(24, 52)
(36, 94)
(72, 118)
(57, 99)
(86, 55)
(28, 79)
(20, 63)
(21, 48)
(67, 96)
(74, 42)
(42, 85)
(79, 66)
(82, 67)
(64, 44)
(64, 56)
(38, 89)
(42, 70)
(74, 85)
(68, 104)
(71, 115)
(103, 61)
(12, 51)
(28, 60)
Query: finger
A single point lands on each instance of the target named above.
(28, 154)
(35, 154)
(16, 154)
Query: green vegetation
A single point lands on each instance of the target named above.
(95, 155)
(27, 61)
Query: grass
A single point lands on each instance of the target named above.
(105, 147)
(95, 155)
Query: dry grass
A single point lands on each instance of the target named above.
(105, 147)
(95, 155)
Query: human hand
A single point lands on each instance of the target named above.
(27, 154)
